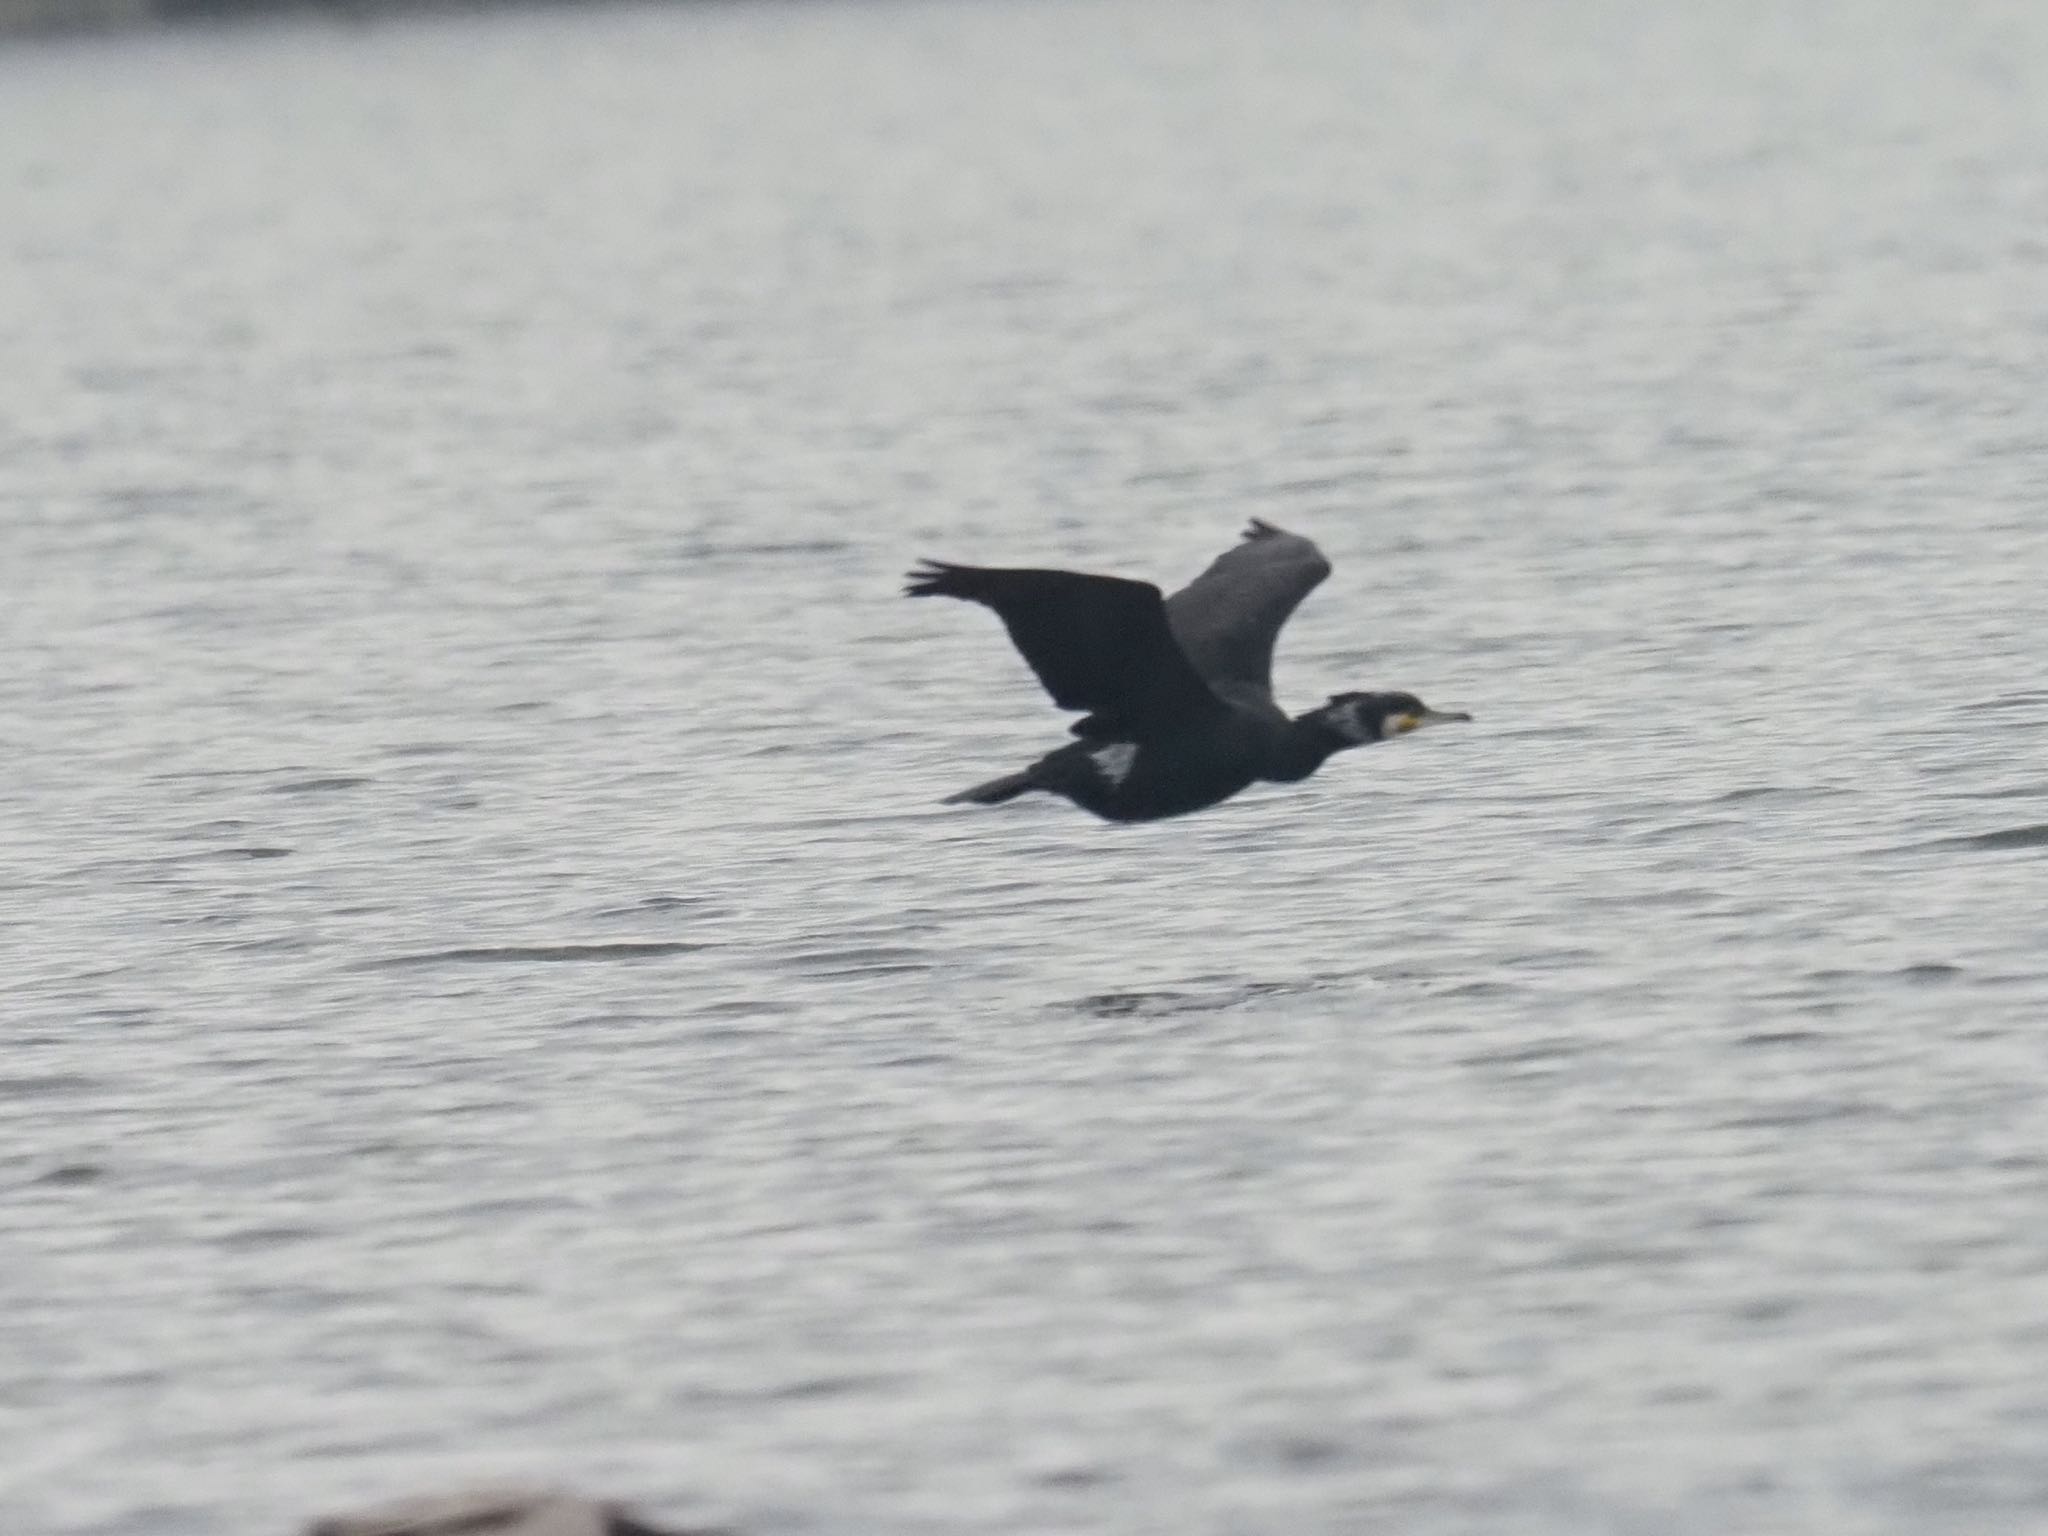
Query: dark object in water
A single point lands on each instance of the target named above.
(1178, 690)
(493, 1512)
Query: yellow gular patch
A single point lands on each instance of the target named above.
(1406, 723)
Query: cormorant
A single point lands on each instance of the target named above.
(1178, 690)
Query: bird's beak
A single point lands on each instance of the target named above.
(1406, 723)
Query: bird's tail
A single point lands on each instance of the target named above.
(995, 791)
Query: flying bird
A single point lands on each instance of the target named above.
(1178, 691)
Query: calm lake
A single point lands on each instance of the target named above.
(489, 991)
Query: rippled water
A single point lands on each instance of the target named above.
(489, 989)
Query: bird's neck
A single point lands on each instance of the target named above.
(1306, 746)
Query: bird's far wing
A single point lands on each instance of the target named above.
(1227, 618)
(1098, 643)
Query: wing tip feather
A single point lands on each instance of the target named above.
(1258, 530)
(930, 578)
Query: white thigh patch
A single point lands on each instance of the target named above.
(1114, 761)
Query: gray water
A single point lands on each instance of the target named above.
(490, 993)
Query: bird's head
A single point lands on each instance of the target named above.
(1358, 718)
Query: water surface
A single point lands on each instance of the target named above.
(490, 990)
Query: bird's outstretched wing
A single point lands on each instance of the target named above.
(1227, 618)
(1099, 643)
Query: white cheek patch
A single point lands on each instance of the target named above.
(1114, 761)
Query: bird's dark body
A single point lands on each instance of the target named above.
(1169, 775)
(1178, 692)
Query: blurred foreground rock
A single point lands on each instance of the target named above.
(493, 1512)
(71, 15)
